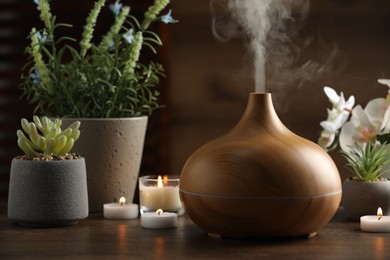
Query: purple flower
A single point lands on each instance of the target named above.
(43, 38)
(35, 77)
(37, 3)
(111, 44)
(116, 7)
(129, 36)
(168, 18)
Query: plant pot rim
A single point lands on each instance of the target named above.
(103, 119)
(383, 179)
(47, 161)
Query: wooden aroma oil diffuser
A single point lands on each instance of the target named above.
(260, 180)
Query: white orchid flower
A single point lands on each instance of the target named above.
(387, 83)
(340, 106)
(378, 110)
(337, 116)
(330, 131)
(384, 82)
(326, 139)
(364, 125)
(360, 129)
(339, 101)
(332, 95)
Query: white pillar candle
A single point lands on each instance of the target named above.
(154, 194)
(120, 210)
(378, 223)
(159, 220)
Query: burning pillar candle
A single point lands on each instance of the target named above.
(378, 223)
(159, 220)
(120, 210)
(160, 193)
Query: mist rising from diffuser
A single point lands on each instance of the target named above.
(253, 17)
(271, 28)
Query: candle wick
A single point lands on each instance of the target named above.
(379, 218)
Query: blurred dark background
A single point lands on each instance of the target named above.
(207, 85)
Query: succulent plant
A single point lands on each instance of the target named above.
(44, 136)
(368, 163)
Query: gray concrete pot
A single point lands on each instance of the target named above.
(364, 198)
(112, 149)
(48, 193)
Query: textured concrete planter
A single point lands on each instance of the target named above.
(48, 193)
(113, 150)
(364, 198)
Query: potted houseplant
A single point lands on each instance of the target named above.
(367, 189)
(48, 185)
(363, 136)
(104, 84)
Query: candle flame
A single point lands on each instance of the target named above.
(122, 201)
(159, 211)
(165, 180)
(160, 182)
(379, 213)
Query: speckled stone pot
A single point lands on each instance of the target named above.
(364, 198)
(112, 149)
(48, 193)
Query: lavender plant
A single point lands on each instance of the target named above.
(44, 136)
(103, 79)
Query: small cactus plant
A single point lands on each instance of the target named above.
(44, 136)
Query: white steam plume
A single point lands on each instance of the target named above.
(253, 18)
(270, 27)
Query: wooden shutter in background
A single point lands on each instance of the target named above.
(14, 22)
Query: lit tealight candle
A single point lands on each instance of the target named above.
(378, 223)
(161, 193)
(159, 220)
(120, 210)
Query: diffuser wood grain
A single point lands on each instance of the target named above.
(260, 179)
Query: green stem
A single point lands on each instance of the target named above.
(89, 27)
(152, 12)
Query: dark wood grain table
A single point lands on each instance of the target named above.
(98, 238)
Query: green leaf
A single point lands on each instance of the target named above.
(367, 162)
(26, 148)
(68, 146)
(60, 143)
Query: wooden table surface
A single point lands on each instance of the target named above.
(99, 238)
